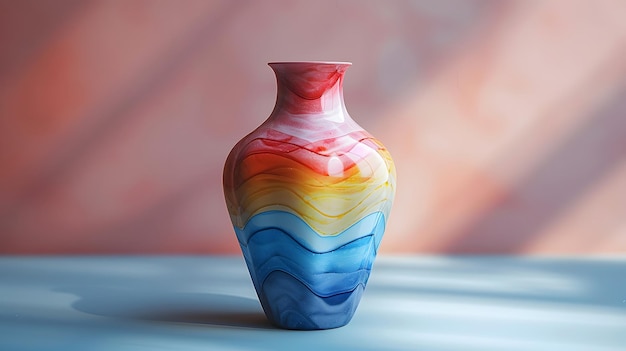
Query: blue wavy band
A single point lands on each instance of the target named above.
(299, 285)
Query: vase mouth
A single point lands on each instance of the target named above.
(334, 63)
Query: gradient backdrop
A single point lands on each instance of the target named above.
(506, 119)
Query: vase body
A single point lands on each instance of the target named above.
(309, 193)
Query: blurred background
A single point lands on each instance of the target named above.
(506, 119)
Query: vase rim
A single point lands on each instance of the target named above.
(310, 62)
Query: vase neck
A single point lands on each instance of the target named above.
(309, 88)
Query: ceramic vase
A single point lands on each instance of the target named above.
(309, 193)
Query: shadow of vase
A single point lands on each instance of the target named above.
(168, 306)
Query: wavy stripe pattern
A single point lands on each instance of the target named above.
(299, 286)
(327, 188)
(309, 193)
(309, 219)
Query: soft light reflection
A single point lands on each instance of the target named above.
(437, 322)
(512, 282)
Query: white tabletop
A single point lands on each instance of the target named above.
(411, 303)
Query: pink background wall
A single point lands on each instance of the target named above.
(506, 119)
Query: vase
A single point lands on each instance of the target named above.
(309, 193)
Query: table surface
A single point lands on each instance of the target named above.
(411, 303)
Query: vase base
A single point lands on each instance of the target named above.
(295, 306)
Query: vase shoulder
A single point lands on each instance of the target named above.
(331, 182)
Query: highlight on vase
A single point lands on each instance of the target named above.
(309, 193)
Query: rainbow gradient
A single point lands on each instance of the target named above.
(309, 212)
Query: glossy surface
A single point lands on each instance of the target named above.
(207, 303)
(309, 193)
